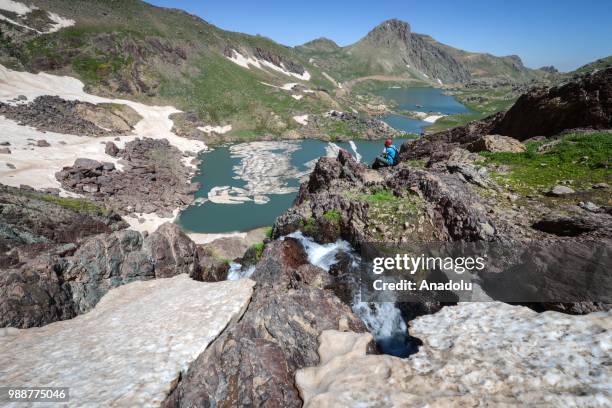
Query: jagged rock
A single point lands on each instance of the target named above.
(153, 179)
(172, 251)
(583, 103)
(57, 262)
(42, 143)
(564, 353)
(111, 149)
(5, 150)
(559, 191)
(496, 144)
(252, 363)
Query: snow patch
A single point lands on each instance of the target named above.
(301, 119)
(16, 7)
(36, 166)
(142, 222)
(21, 9)
(130, 349)
(60, 22)
(439, 81)
(549, 359)
(217, 129)
(432, 118)
(247, 62)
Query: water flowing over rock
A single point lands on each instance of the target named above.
(474, 354)
(130, 349)
(252, 363)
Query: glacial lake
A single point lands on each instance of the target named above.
(248, 185)
(418, 99)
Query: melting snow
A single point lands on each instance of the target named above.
(474, 354)
(21, 10)
(217, 129)
(301, 119)
(36, 166)
(130, 348)
(246, 62)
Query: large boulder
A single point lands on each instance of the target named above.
(172, 251)
(496, 144)
(583, 103)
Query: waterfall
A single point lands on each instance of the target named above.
(354, 148)
(237, 271)
(383, 320)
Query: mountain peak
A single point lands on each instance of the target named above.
(390, 29)
(321, 44)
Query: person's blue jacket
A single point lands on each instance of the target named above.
(391, 155)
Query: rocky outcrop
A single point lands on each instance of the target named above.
(62, 281)
(319, 126)
(549, 359)
(172, 251)
(584, 103)
(279, 61)
(153, 179)
(434, 204)
(31, 220)
(54, 114)
(253, 362)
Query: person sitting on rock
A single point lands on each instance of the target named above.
(388, 157)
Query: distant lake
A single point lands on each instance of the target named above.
(261, 179)
(422, 99)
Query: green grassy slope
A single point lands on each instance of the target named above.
(134, 50)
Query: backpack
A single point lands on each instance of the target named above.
(395, 156)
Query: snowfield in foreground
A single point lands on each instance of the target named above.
(130, 348)
(474, 354)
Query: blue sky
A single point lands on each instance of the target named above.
(563, 33)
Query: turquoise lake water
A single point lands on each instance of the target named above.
(418, 99)
(262, 178)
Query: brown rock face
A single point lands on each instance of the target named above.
(253, 362)
(172, 251)
(153, 178)
(582, 103)
(57, 262)
(586, 103)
